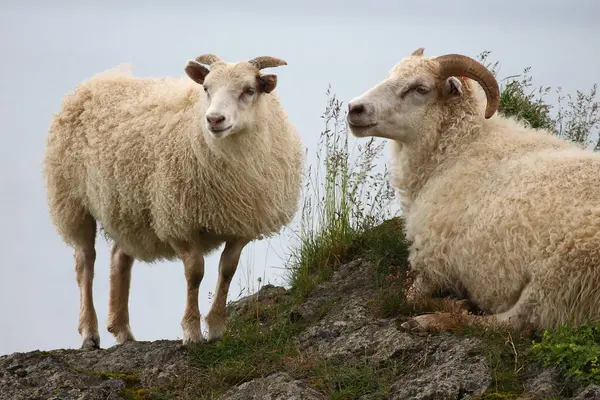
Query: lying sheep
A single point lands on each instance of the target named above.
(504, 215)
(171, 168)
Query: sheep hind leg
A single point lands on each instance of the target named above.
(519, 317)
(193, 263)
(216, 318)
(85, 257)
(118, 305)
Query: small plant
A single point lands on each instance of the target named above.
(343, 197)
(574, 352)
(579, 122)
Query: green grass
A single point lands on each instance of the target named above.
(348, 381)
(384, 245)
(507, 354)
(255, 345)
(343, 198)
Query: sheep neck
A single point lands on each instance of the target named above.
(418, 162)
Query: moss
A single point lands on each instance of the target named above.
(130, 378)
(133, 389)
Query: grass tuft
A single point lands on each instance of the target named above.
(507, 353)
(343, 197)
(252, 347)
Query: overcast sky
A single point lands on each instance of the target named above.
(48, 47)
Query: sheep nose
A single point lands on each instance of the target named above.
(356, 109)
(215, 119)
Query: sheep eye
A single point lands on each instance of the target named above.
(422, 89)
(205, 90)
(249, 91)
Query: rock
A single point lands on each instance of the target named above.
(544, 384)
(266, 296)
(95, 374)
(455, 371)
(590, 392)
(344, 302)
(279, 386)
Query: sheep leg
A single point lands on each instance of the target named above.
(216, 318)
(420, 295)
(118, 305)
(518, 317)
(193, 263)
(85, 257)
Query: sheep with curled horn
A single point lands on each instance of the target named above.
(505, 217)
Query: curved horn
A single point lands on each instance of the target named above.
(266, 62)
(459, 65)
(207, 59)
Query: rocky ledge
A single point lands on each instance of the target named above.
(338, 348)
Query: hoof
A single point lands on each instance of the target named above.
(122, 335)
(433, 323)
(91, 342)
(192, 338)
(187, 342)
(213, 339)
(214, 335)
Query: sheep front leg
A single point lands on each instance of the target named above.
(88, 321)
(85, 257)
(216, 319)
(118, 306)
(522, 315)
(420, 294)
(193, 263)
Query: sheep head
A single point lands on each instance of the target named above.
(417, 93)
(234, 91)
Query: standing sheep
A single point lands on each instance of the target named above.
(499, 213)
(171, 168)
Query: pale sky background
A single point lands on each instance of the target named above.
(47, 47)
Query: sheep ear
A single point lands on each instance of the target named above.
(452, 88)
(196, 71)
(418, 52)
(268, 83)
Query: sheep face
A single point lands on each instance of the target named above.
(416, 95)
(404, 104)
(233, 95)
